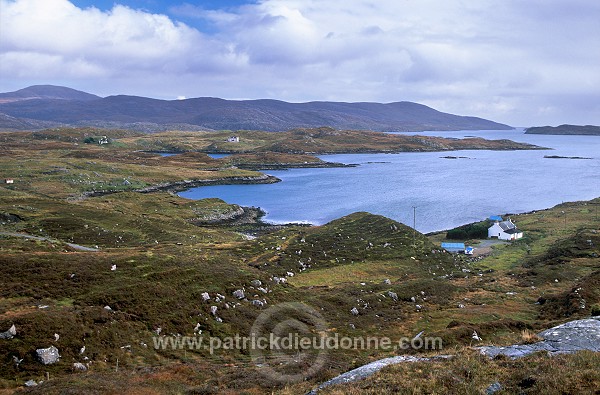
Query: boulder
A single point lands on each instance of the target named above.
(48, 356)
(9, 334)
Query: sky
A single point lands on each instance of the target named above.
(520, 62)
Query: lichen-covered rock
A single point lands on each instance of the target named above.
(354, 311)
(566, 338)
(256, 283)
(239, 293)
(48, 356)
(79, 366)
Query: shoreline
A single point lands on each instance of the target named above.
(180, 186)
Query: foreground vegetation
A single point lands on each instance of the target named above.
(156, 255)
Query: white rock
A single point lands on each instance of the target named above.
(239, 293)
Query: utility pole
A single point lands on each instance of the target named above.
(414, 226)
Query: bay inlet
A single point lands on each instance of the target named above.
(448, 188)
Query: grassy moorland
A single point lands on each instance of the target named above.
(167, 252)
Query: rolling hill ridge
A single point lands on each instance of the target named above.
(52, 105)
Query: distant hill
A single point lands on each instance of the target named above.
(46, 92)
(587, 130)
(70, 107)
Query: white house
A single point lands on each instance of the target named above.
(505, 230)
(233, 139)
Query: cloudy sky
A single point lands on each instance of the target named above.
(521, 62)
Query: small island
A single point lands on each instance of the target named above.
(587, 130)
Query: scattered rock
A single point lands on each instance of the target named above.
(31, 383)
(354, 311)
(213, 310)
(48, 356)
(205, 296)
(17, 360)
(9, 334)
(256, 283)
(393, 295)
(239, 293)
(257, 303)
(493, 388)
(79, 366)
(387, 281)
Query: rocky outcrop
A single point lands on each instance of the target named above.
(566, 338)
(372, 368)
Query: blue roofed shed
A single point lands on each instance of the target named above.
(454, 247)
(496, 218)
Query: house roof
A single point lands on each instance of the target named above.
(506, 225)
(456, 245)
(513, 231)
(453, 246)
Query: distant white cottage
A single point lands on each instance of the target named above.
(505, 230)
(233, 139)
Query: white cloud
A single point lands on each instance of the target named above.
(511, 61)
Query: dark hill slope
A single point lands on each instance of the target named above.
(220, 114)
(46, 92)
(587, 130)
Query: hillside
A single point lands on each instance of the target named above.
(100, 259)
(67, 106)
(587, 130)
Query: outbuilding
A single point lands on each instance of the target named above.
(454, 247)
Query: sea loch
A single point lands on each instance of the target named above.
(447, 188)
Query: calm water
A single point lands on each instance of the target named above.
(446, 192)
(214, 156)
